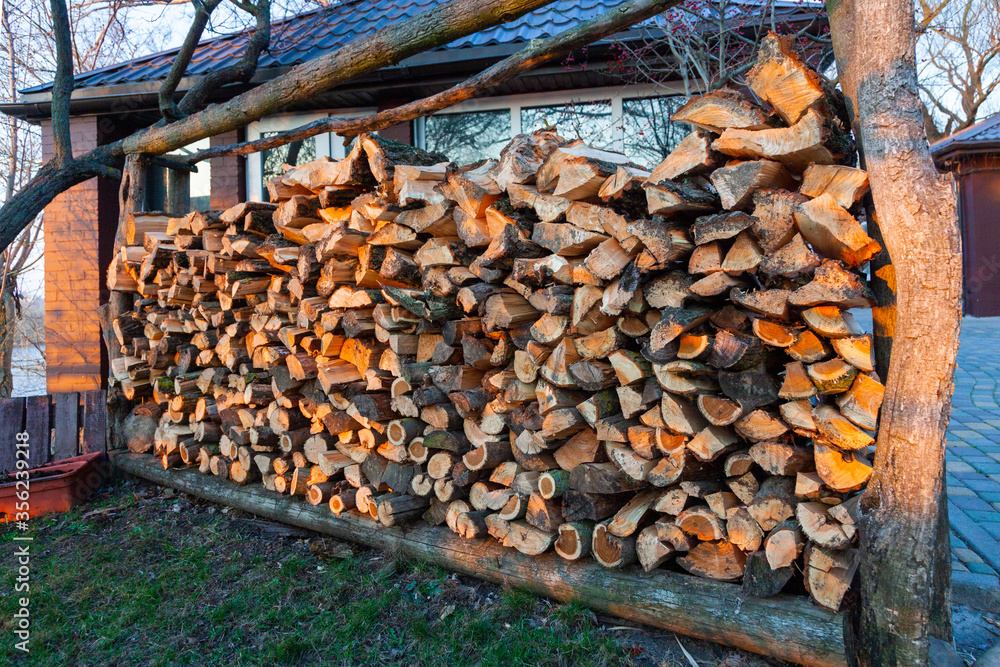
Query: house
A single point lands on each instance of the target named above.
(585, 96)
(973, 156)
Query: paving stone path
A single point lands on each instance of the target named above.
(973, 453)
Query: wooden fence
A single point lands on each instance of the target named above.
(58, 425)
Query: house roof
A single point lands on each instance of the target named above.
(132, 86)
(303, 37)
(984, 136)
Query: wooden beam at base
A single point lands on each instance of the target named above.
(785, 627)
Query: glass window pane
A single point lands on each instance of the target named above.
(468, 137)
(649, 133)
(590, 121)
(295, 153)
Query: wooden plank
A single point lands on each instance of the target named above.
(11, 423)
(95, 411)
(65, 442)
(37, 411)
(784, 626)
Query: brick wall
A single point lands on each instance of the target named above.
(73, 275)
(228, 175)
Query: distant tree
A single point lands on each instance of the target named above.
(958, 59)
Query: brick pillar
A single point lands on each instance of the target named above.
(73, 275)
(228, 173)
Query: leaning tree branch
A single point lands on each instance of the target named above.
(537, 53)
(62, 87)
(202, 12)
(443, 23)
(242, 71)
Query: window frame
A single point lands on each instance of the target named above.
(514, 103)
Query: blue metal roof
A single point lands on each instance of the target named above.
(303, 37)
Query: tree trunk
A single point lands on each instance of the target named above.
(8, 327)
(917, 217)
(131, 198)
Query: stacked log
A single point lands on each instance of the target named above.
(559, 350)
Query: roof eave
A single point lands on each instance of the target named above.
(959, 149)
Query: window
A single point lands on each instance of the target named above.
(176, 190)
(295, 153)
(634, 120)
(649, 135)
(591, 121)
(468, 137)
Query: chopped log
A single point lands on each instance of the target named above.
(832, 377)
(701, 523)
(792, 260)
(810, 140)
(716, 560)
(736, 184)
(830, 322)
(744, 532)
(574, 539)
(610, 550)
(774, 503)
(760, 425)
(780, 458)
(845, 184)
(527, 539)
(673, 197)
(783, 545)
(759, 580)
(693, 155)
(862, 401)
(834, 232)
(828, 574)
(838, 431)
(630, 517)
(856, 350)
(774, 217)
(722, 109)
(711, 442)
(832, 285)
(544, 514)
(781, 79)
(470, 525)
(651, 550)
(808, 348)
(821, 528)
(769, 303)
(680, 416)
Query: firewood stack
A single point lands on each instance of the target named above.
(558, 350)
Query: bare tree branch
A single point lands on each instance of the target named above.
(538, 52)
(242, 71)
(62, 87)
(202, 12)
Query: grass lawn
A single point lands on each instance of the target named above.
(141, 576)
